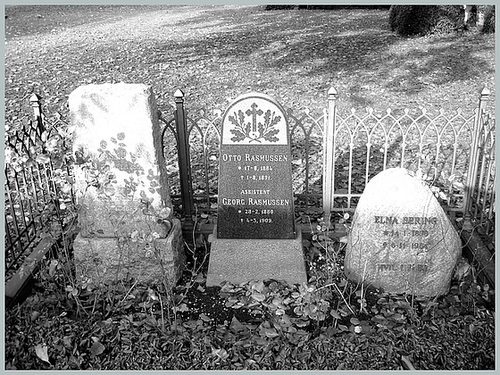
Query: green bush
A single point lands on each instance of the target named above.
(409, 20)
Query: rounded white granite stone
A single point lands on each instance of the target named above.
(401, 240)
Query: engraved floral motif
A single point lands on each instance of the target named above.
(254, 130)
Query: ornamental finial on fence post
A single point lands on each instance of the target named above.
(329, 153)
(485, 93)
(333, 93)
(37, 111)
(184, 159)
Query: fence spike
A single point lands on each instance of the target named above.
(34, 98)
(178, 93)
(485, 92)
(332, 93)
(35, 103)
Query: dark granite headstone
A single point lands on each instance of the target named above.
(255, 175)
(255, 236)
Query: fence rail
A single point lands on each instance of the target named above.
(335, 155)
(34, 170)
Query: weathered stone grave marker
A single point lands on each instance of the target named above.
(126, 223)
(401, 240)
(255, 237)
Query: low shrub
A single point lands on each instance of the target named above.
(409, 20)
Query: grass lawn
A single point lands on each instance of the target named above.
(214, 54)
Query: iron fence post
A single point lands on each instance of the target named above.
(474, 159)
(184, 159)
(329, 153)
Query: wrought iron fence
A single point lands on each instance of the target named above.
(335, 155)
(480, 210)
(35, 172)
(203, 131)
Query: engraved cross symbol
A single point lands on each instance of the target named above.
(254, 113)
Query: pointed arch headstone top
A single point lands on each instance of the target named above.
(255, 119)
(255, 236)
(255, 177)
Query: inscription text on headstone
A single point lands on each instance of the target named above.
(255, 189)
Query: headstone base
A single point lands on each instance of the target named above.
(242, 260)
(102, 260)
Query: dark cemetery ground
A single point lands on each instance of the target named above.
(215, 54)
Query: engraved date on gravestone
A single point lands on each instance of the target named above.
(255, 187)
(404, 267)
(398, 234)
